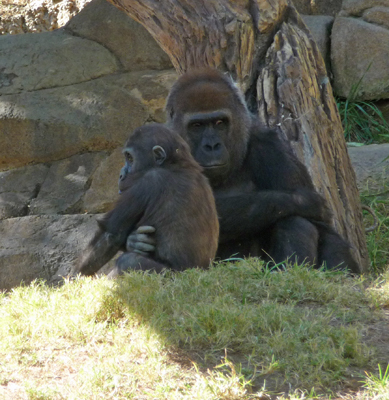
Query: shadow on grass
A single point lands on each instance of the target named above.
(299, 328)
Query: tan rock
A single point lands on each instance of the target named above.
(357, 7)
(377, 15)
(18, 187)
(134, 47)
(360, 49)
(65, 184)
(371, 165)
(54, 124)
(103, 192)
(42, 247)
(52, 59)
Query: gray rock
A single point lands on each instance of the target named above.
(18, 187)
(42, 247)
(371, 165)
(360, 49)
(53, 124)
(50, 59)
(357, 7)
(128, 40)
(65, 185)
(103, 192)
(320, 27)
(377, 15)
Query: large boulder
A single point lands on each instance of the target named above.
(320, 27)
(360, 54)
(371, 165)
(103, 191)
(18, 187)
(65, 184)
(42, 247)
(377, 15)
(52, 124)
(127, 39)
(357, 7)
(51, 60)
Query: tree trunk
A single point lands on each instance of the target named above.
(272, 56)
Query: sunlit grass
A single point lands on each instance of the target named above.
(232, 332)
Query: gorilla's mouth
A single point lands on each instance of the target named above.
(215, 172)
(214, 166)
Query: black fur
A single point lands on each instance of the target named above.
(265, 198)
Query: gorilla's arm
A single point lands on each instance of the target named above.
(247, 214)
(283, 188)
(112, 234)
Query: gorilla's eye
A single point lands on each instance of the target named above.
(129, 157)
(221, 124)
(196, 125)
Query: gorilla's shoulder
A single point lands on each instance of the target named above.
(261, 133)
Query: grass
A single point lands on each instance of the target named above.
(378, 240)
(362, 121)
(236, 331)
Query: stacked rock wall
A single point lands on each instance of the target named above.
(68, 101)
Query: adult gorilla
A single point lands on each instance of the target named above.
(265, 199)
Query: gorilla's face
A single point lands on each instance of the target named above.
(207, 134)
(209, 113)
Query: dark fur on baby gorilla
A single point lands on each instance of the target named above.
(162, 186)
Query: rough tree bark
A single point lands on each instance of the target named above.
(270, 53)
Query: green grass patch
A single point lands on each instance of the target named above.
(362, 121)
(224, 333)
(237, 331)
(378, 240)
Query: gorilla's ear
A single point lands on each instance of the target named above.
(159, 154)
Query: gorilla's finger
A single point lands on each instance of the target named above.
(142, 247)
(142, 253)
(145, 229)
(140, 242)
(142, 238)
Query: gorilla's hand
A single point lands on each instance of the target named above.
(311, 205)
(141, 241)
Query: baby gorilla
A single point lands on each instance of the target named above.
(162, 186)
